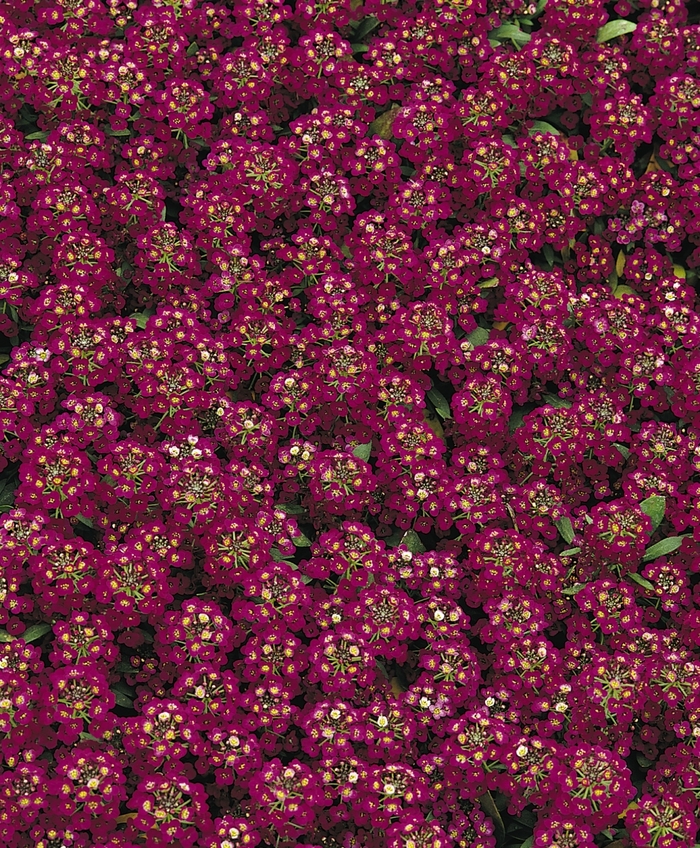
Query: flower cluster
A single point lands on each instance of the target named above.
(349, 423)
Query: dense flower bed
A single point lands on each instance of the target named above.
(350, 409)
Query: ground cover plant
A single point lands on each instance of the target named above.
(350, 423)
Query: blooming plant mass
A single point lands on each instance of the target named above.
(349, 423)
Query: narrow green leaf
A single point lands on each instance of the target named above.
(122, 699)
(394, 540)
(277, 555)
(192, 49)
(291, 509)
(545, 127)
(6, 637)
(302, 541)
(7, 496)
(614, 29)
(86, 521)
(528, 842)
(566, 529)
(366, 25)
(655, 508)
(491, 283)
(412, 541)
(573, 590)
(509, 32)
(665, 546)
(363, 451)
(36, 631)
(641, 581)
(517, 416)
(383, 125)
(556, 401)
(141, 320)
(622, 290)
(488, 805)
(548, 252)
(478, 337)
(624, 450)
(570, 552)
(40, 135)
(439, 401)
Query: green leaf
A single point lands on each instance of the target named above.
(119, 133)
(573, 590)
(192, 49)
(40, 135)
(277, 555)
(440, 402)
(491, 283)
(141, 320)
(624, 450)
(614, 29)
(302, 541)
(86, 521)
(363, 451)
(621, 291)
(509, 32)
(528, 842)
(382, 126)
(655, 508)
(548, 252)
(488, 805)
(412, 541)
(121, 698)
(291, 509)
(570, 552)
(556, 401)
(366, 25)
(359, 48)
(641, 581)
(7, 493)
(394, 540)
(6, 637)
(566, 529)
(545, 127)
(517, 417)
(665, 546)
(478, 337)
(36, 631)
